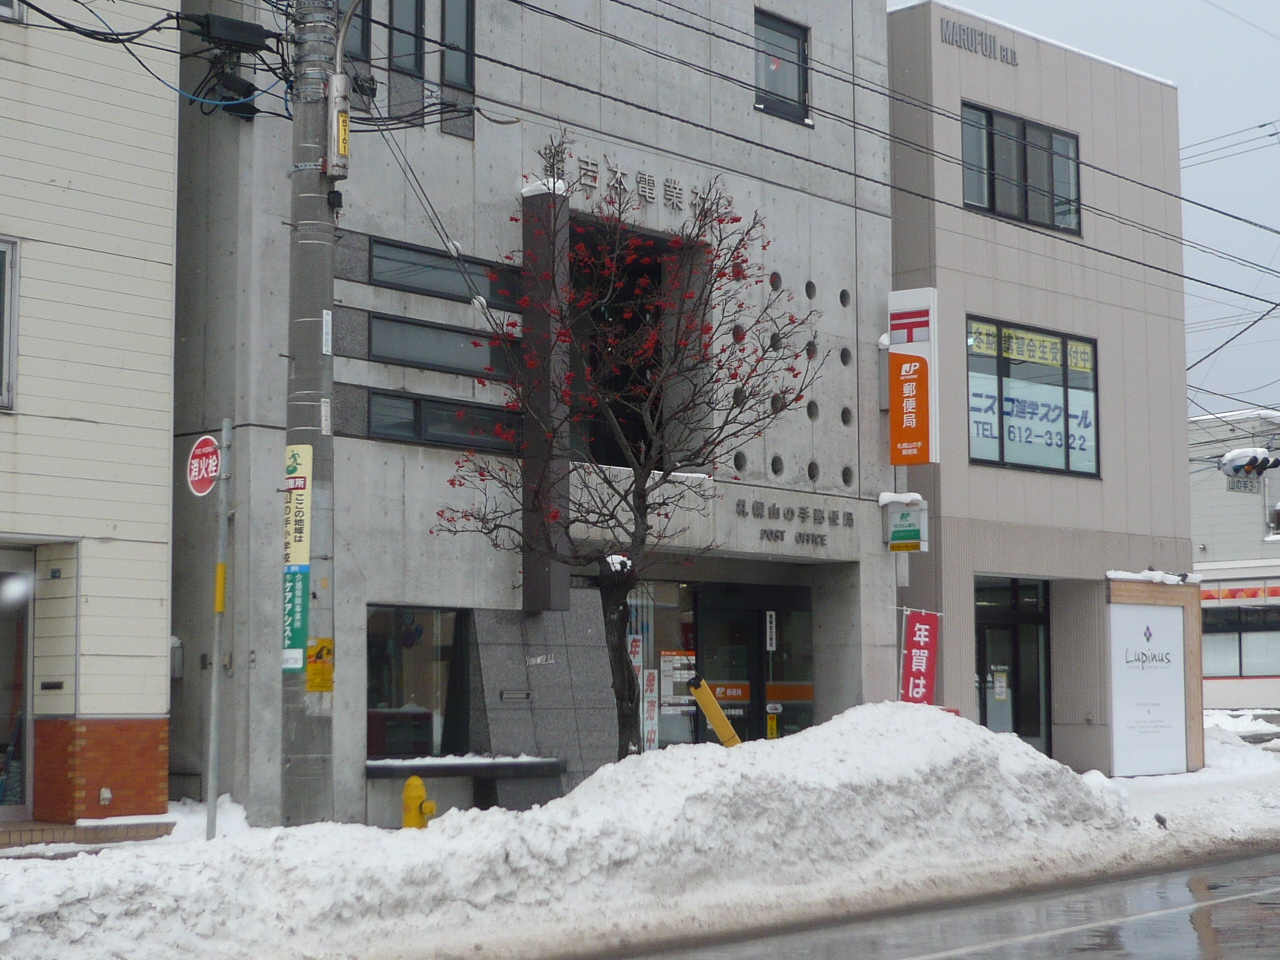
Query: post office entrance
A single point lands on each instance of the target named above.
(752, 643)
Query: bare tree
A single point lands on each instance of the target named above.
(640, 363)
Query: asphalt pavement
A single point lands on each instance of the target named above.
(1225, 911)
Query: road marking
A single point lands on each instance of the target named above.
(1094, 925)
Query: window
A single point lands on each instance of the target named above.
(1241, 641)
(782, 67)
(627, 297)
(1032, 399)
(457, 31)
(439, 275)
(406, 36)
(356, 45)
(418, 681)
(9, 10)
(447, 423)
(8, 325)
(435, 347)
(1019, 169)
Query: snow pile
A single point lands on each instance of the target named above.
(666, 835)
(1240, 721)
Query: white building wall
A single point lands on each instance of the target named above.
(88, 180)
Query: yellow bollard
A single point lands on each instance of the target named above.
(416, 808)
(711, 710)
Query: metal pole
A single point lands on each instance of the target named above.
(219, 609)
(306, 785)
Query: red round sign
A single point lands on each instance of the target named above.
(203, 466)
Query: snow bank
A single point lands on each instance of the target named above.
(1240, 721)
(661, 837)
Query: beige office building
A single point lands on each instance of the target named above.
(1036, 190)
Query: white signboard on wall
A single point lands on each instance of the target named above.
(1148, 690)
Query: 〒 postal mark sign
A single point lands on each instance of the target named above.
(203, 466)
(913, 366)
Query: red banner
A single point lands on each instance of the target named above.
(919, 656)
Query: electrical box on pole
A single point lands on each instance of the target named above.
(339, 126)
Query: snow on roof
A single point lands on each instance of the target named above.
(908, 499)
(1033, 36)
(1154, 576)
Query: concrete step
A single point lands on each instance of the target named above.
(21, 833)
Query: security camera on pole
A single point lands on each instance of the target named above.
(320, 149)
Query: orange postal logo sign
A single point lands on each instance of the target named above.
(908, 409)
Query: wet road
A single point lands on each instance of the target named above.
(1228, 911)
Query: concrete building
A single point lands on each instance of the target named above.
(1036, 192)
(86, 383)
(1237, 551)
(435, 656)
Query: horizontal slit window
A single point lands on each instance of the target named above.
(414, 343)
(438, 274)
(451, 423)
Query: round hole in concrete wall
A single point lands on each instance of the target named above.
(810, 289)
(812, 409)
(846, 356)
(776, 466)
(846, 475)
(845, 299)
(811, 349)
(739, 461)
(775, 281)
(846, 416)
(813, 470)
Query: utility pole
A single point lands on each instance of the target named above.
(307, 707)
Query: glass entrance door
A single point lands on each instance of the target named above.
(1012, 670)
(755, 650)
(996, 675)
(15, 729)
(730, 648)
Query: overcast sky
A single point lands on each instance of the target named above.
(1228, 76)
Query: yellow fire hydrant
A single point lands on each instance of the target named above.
(415, 806)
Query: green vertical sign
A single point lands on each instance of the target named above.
(297, 557)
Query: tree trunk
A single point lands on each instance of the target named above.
(614, 587)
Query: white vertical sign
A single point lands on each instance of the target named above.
(1148, 691)
(771, 630)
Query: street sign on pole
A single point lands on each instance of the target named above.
(1244, 484)
(203, 466)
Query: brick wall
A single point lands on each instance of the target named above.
(76, 758)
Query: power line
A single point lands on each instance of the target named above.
(883, 90)
(1224, 136)
(931, 108)
(1239, 333)
(1236, 16)
(1232, 146)
(1227, 156)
